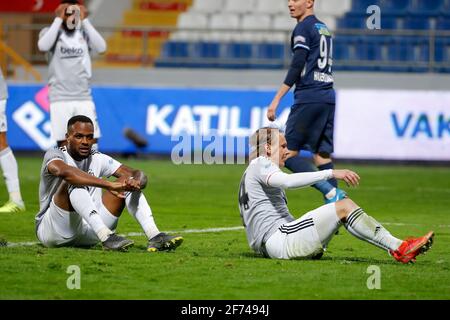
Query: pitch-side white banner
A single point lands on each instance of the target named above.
(392, 125)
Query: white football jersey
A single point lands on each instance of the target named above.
(70, 69)
(97, 164)
(263, 208)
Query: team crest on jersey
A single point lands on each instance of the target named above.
(322, 29)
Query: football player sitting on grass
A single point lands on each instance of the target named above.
(273, 232)
(73, 209)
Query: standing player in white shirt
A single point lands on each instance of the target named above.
(273, 232)
(74, 211)
(69, 42)
(8, 162)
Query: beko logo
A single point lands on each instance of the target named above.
(72, 51)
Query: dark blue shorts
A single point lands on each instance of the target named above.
(310, 127)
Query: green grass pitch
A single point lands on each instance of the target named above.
(220, 265)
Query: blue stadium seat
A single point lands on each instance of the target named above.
(176, 49)
(389, 22)
(414, 50)
(352, 21)
(442, 54)
(445, 10)
(426, 7)
(274, 51)
(417, 23)
(442, 50)
(239, 50)
(208, 49)
(372, 47)
(347, 48)
(360, 6)
(443, 23)
(394, 7)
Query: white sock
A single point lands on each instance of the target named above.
(139, 208)
(368, 229)
(10, 172)
(82, 203)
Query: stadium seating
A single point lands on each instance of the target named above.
(188, 21)
(271, 7)
(425, 7)
(206, 6)
(254, 23)
(238, 6)
(442, 53)
(223, 21)
(254, 46)
(360, 6)
(332, 8)
(281, 28)
(419, 23)
(393, 7)
(443, 23)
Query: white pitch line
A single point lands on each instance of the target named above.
(140, 234)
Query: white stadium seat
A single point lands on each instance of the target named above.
(238, 6)
(230, 21)
(255, 22)
(190, 20)
(272, 7)
(282, 27)
(282, 22)
(332, 7)
(206, 6)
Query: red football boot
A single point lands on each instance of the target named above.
(412, 247)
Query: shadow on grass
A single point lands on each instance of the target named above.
(339, 259)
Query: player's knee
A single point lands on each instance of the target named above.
(344, 207)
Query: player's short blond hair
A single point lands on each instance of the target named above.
(261, 138)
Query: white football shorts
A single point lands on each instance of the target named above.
(62, 111)
(3, 122)
(305, 237)
(61, 228)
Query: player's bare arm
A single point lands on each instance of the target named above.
(77, 177)
(276, 101)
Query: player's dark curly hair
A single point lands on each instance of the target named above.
(76, 119)
(260, 138)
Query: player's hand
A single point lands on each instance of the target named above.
(271, 111)
(133, 184)
(60, 12)
(83, 12)
(351, 178)
(118, 188)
